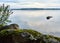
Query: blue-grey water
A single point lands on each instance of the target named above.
(36, 20)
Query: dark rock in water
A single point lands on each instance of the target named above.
(48, 17)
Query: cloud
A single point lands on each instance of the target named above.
(31, 4)
(40, 1)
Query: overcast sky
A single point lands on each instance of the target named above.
(42, 1)
(32, 3)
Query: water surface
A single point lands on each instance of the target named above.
(36, 20)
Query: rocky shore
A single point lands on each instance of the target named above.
(26, 36)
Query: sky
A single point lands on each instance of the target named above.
(32, 3)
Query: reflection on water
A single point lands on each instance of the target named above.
(37, 20)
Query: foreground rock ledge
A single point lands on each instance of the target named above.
(26, 36)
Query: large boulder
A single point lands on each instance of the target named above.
(26, 36)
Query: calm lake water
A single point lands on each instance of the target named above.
(36, 20)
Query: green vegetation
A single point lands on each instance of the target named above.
(14, 31)
(4, 14)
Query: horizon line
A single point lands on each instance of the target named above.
(35, 9)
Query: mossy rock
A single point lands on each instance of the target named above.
(26, 36)
(14, 36)
(16, 32)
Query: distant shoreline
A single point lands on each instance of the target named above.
(36, 9)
